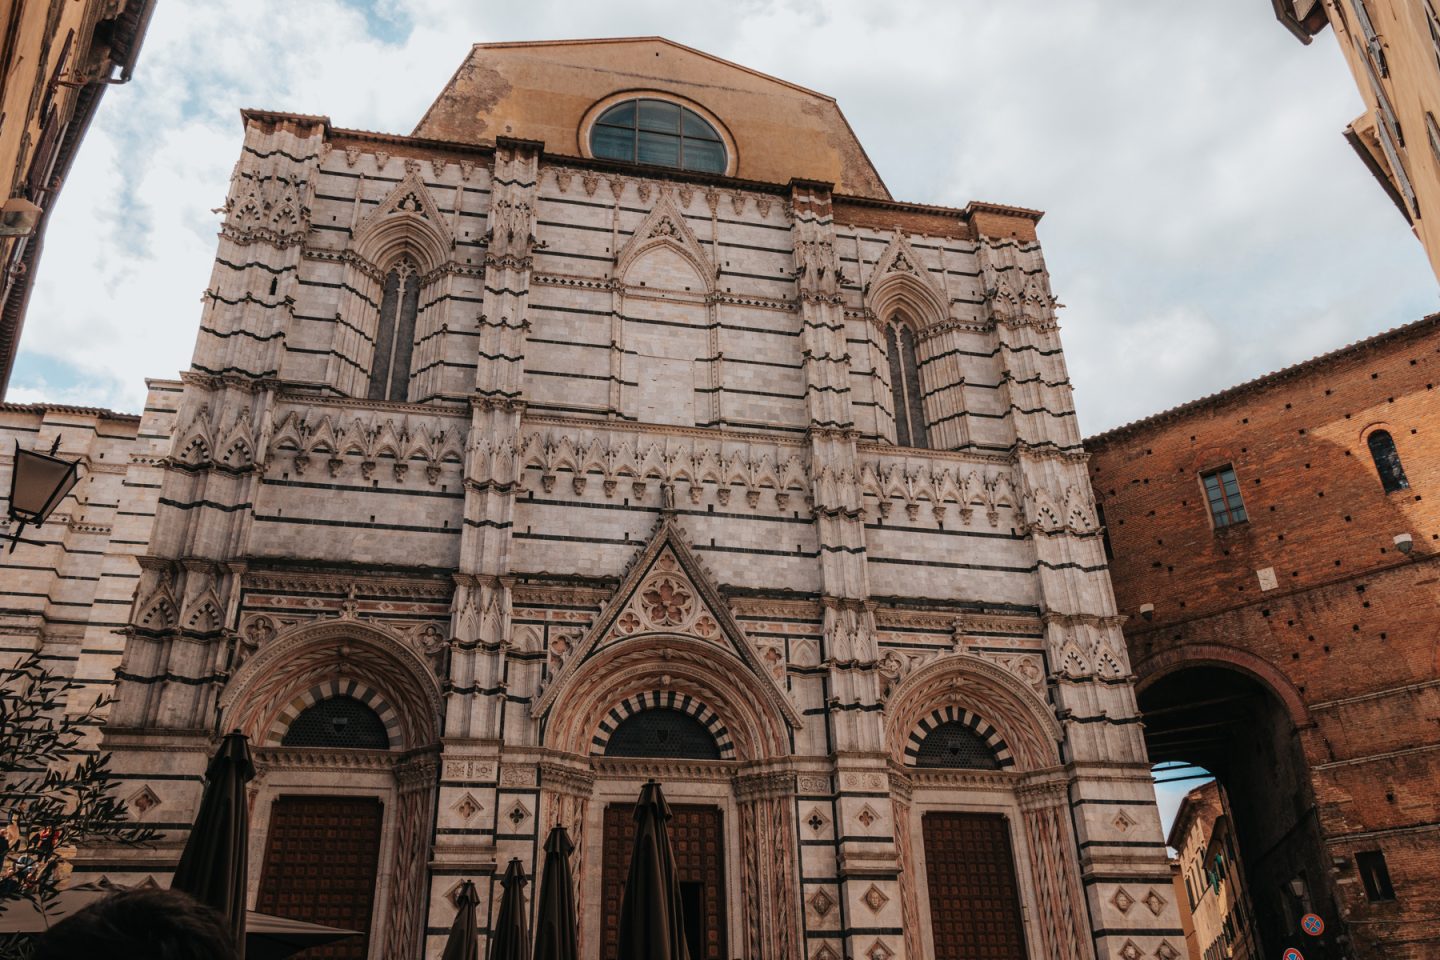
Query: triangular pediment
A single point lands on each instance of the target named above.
(900, 267)
(407, 211)
(668, 593)
(666, 226)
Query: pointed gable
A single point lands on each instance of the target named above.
(543, 91)
(667, 592)
(665, 228)
(406, 221)
(901, 279)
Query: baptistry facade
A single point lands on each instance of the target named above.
(617, 425)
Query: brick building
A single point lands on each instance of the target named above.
(1274, 548)
(618, 424)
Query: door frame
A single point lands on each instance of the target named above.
(687, 785)
(952, 799)
(323, 773)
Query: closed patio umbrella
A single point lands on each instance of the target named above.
(509, 937)
(652, 921)
(213, 867)
(555, 925)
(463, 944)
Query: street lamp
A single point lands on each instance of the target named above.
(38, 482)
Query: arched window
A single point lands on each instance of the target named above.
(1387, 461)
(905, 385)
(658, 132)
(953, 744)
(339, 721)
(662, 732)
(395, 337)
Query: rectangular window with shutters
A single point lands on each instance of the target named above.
(1375, 875)
(1222, 492)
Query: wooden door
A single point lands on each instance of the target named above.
(698, 841)
(974, 899)
(320, 859)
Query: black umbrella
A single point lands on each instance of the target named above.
(462, 944)
(555, 926)
(652, 921)
(213, 867)
(509, 939)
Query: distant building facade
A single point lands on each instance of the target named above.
(1214, 884)
(1274, 550)
(618, 424)
(1393, 50)
(56, 60)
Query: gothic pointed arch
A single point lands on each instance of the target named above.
(901, 282)
(406, 223)
(668, 595)
(1007, 710)
(664, 228)
(309, 657)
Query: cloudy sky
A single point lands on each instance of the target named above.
(1206, 222)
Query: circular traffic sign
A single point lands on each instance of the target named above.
(1312, 924)
(1292, 954)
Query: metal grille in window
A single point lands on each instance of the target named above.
(955, 745)
(662, 732)
(338, 722)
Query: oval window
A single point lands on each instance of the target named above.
(660, 133)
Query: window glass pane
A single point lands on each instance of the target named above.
(611, 143)
(659, 148)
(660, 116)
(1212, 486)
(897, 388)
(704, 155)
(695, 126)
(620, 115)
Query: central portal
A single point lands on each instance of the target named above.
(698, 840)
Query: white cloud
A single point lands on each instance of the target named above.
(1205, 220)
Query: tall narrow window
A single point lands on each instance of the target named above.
(395, 337)
(1222, 491)
(905, 395)
(1387, 461)
(1375, 875)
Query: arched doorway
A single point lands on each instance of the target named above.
(344, 723)
(1242, 727)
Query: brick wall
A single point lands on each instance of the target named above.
(1345, 631)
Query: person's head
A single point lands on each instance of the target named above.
(140, 925)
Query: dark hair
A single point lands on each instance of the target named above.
(140, 925)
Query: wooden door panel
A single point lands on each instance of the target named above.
(320, 866)
(974, 898)
(697, 837)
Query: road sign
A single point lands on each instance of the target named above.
(1312, 924)
(1292, 954)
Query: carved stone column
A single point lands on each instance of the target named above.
(481, 614)
(900, 795)
(1059, 915)
(416, 781)
(565, 791)
(770, 886)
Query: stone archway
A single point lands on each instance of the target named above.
(1027, 789)
(1237, 717)
(755, 803)
(343, 657)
